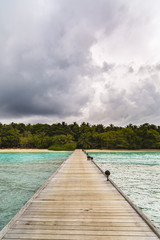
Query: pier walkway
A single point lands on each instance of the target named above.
(77, 203)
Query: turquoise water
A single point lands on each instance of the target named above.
(138, 175)
(21, 174)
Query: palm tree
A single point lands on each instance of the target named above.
(84, 141)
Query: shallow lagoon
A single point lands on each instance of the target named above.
(21, 174)
(138, 175)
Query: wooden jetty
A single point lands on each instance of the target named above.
(77, 203)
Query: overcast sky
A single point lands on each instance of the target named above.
(96, 61)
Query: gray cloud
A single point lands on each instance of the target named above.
(41, 77)
(48, 67)
(107, 66)
(130, 69)
(121, 107)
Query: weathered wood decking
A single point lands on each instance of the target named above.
(78, 203)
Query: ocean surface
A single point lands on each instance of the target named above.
(138, 175)
(21, 175)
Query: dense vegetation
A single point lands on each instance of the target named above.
(63, 136)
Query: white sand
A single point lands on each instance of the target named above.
(106, 150)
(19, 150)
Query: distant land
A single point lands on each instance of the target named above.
(67, 137)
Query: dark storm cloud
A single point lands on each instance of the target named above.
(45, 57)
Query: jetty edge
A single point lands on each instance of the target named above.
(78, 203)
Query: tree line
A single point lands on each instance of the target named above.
(63, 136)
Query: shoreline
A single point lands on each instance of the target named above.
(23, 150)
(29, 150)
(123, 150)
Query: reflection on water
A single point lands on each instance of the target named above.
(138, 175)
(21, 174)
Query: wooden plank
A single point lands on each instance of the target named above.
(79, 227)
(80, 219)
(84, 213)
(76, 237)
(78, 203)
(76, 210)
(83, 223)
(80, 232)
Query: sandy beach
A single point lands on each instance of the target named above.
(107, 150)
(19, 150)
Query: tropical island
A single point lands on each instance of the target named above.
(67, 137)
